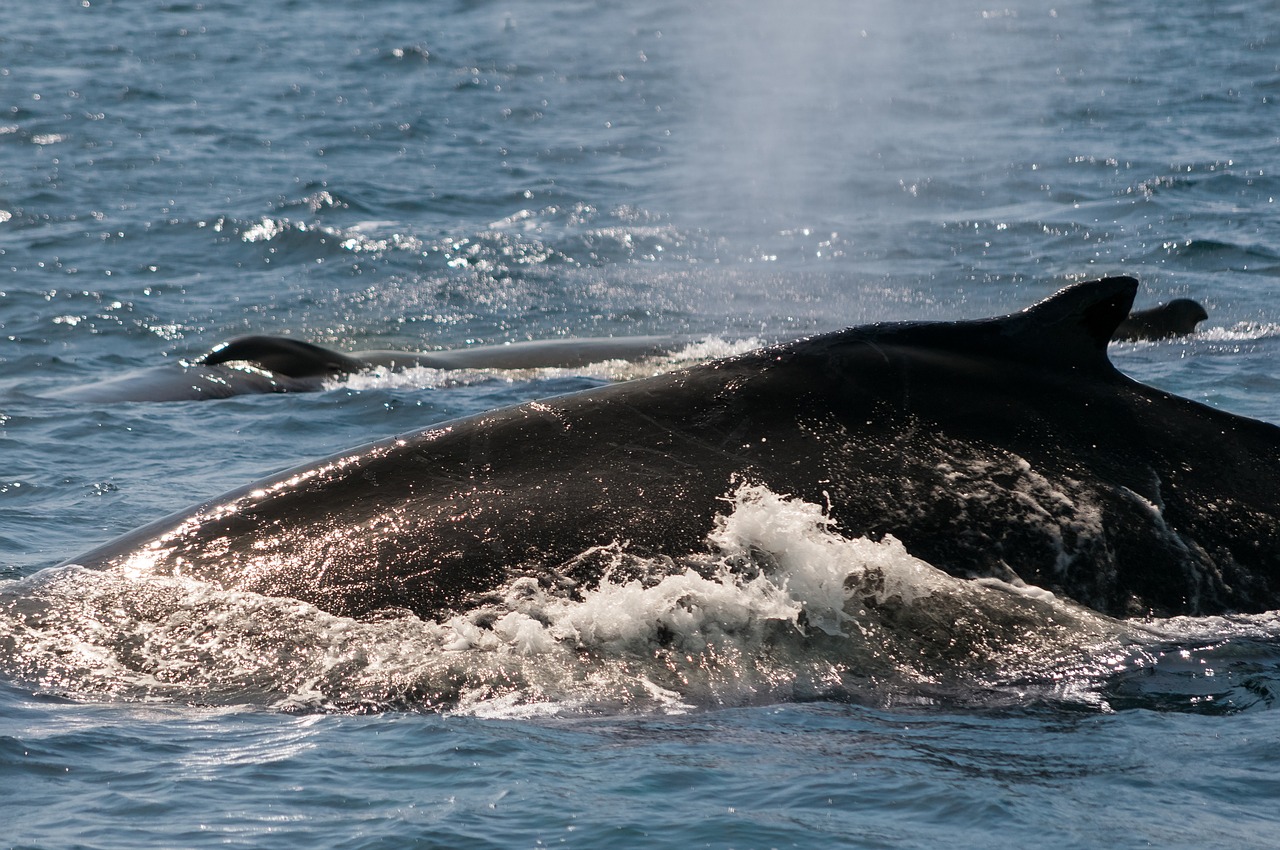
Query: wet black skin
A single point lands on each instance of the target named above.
(1177, 318)
(278, 364)
(1006, 447)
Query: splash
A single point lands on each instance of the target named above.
(1209, 336)
(1241, 332)
(421, 377)
(781, 607)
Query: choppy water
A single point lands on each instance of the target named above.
(411, 175)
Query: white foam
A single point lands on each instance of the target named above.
(1239, 332)
(783, 608)
(420, 377)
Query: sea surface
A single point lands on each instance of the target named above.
(414, 175)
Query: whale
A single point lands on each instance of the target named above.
(1178, 317)
(1007, 448)
(260, 364)
(300, 359)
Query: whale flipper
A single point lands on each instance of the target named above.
(282, 355)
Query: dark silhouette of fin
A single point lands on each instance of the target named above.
(1068, 330)
(285, 356)
(1083, 315)
(1177, 318)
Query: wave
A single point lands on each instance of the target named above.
(570, 235)
(780, 608)
(608, 370)
(1240, 332)
(1210, 336)
(421, 377)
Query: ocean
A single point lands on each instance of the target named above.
(408, 175)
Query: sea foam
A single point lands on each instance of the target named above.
(779, 607)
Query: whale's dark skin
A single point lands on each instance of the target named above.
(258, 364)
(277, 364)
(298, 359)
(1177, 318)
(1007, 447)
(183, 382)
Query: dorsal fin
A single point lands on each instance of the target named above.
(1068, 330)
(1073, 326)
(285, 356)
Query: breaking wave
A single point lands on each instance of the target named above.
(783, 608)
(1241, 332)
(422, 377)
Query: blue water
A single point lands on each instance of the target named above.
(394, 174)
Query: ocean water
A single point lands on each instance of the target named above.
(398, 174)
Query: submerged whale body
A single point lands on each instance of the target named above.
(1006, 447)
(297, 359)
(278, 364)
(261, 364)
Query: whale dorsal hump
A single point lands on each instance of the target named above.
(1068, 330)
(1072, 327)
(290, 357)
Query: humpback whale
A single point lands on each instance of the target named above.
(1008, 447)
(298, 359)
(280, 364)
(1177, 318)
